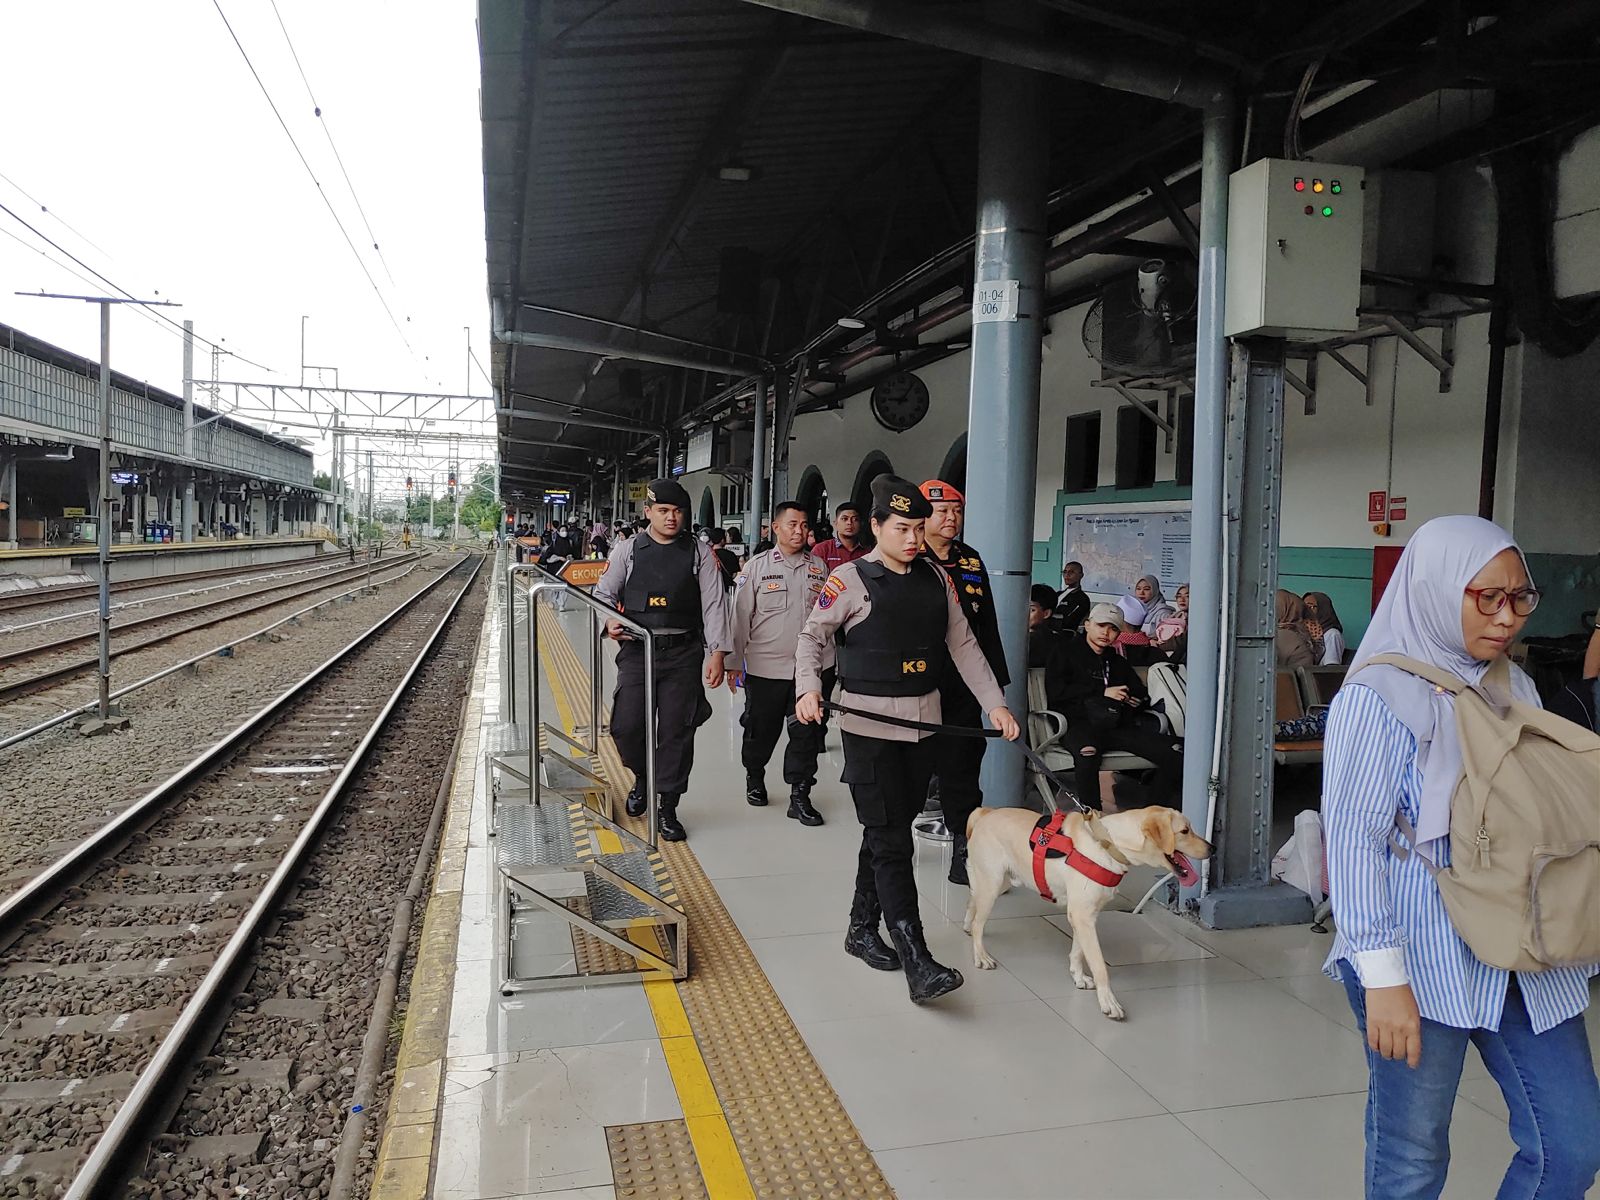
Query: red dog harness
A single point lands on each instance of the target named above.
(1048, 842)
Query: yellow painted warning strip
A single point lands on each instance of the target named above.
(720, 1163)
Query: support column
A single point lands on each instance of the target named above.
(1003, 420)
(188, 432)
(758, 461)
(1207, 556)
(1243, 894)
(9, 466)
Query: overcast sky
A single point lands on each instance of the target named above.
(138, 124)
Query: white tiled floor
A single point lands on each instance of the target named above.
(1238, 1073)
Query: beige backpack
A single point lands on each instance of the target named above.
(1523, 884)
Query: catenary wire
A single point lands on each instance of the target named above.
(321, 192)
(118, 288)
(316, 109)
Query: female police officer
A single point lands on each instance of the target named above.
(896, 622)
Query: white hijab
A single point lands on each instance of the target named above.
(1420, 617)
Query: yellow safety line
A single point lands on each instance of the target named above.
(720, 1163)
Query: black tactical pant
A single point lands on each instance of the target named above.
(768, 705)
(888, 782)
(957, 760)
(1136, 737)
(681, 708)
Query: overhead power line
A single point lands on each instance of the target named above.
(118, 288)
(44, 208)
(327, 132)
(321, 192)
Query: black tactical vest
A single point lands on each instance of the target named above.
(661, 591)
(899, 650)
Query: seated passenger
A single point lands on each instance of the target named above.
(1322, 625)
(1073, 603)
(1172, 634)
(1105, 705)
(1042, 631)
(1293, 642)
(1145, 607)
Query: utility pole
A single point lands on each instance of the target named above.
(188, 431)
(104, 514)
(371, 550)
(431, 525)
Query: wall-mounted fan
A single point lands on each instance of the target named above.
(1142, 323)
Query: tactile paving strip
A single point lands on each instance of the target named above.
(595, 957)
(654, 1160)
(791, 1130)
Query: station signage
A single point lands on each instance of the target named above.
(558, 496)
(636, 491)
(583, 572)
(1377, 506)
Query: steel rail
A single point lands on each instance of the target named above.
(43, 892)
(143, 1115)
(35, 597)
(61, 718)
(55, 674)
(324, 568)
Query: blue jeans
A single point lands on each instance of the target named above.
(1547, 1079)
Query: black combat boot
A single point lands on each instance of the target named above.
(636, 802)
(755, 789)
(667, 822)
(863, 941)
(800, 808)
(926, 979)
(958, 861)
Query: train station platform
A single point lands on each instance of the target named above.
(138, 560)
(780, 1067)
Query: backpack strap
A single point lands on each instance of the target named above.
(1447, 680)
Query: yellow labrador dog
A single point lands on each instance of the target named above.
(1000, 857)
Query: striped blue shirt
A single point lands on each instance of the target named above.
(1392, 922)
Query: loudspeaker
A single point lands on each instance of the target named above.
(739, 281)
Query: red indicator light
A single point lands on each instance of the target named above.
(1299, 184)
(1309, 210)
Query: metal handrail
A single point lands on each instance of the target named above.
(597, 611)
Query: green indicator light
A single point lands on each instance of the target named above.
(1335, 188)
(1327, 212)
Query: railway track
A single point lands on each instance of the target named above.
(23, 599)
(123, 958)
(215, 612)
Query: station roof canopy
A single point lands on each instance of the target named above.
(681, 194)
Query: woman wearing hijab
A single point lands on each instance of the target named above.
(1458, 597)
(1293, 642)
(1322, 626)
(1145, 607)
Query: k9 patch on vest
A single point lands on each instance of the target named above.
(656, 601)
(913, 666)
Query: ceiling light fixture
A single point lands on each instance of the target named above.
(851, 323)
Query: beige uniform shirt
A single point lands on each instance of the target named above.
(844, 604)
(772, 597)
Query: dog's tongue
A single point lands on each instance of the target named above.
(1187, 875)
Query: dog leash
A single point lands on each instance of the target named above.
(1061, 789)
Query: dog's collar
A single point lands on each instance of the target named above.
(1048, 842)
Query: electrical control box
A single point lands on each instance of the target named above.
(1294, 249)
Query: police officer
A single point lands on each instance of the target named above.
(772, 597)
(958, 759)
(670, 583)
(896, 623)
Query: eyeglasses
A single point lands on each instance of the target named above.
(1492, 600)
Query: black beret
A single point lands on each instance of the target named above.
(667, 491)
(900, 497)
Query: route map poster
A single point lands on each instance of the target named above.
(1116, 548)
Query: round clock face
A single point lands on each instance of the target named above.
(900, 401)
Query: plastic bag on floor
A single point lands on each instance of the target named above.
(1299, 862)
